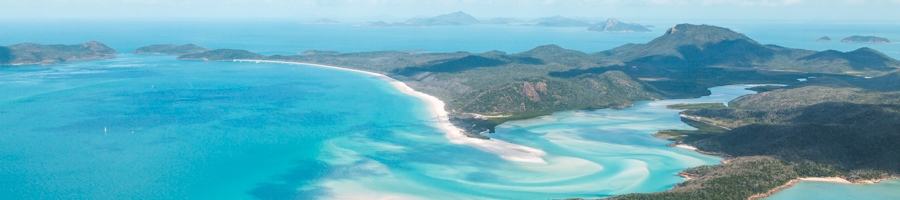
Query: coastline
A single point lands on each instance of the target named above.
(506, 150)
(48, 62)
(793, 182)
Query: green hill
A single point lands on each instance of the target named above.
(170, 49)
(31, 53)
(680, 36)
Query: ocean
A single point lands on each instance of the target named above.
(151, 127)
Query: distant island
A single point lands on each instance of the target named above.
(865, 39)
(31, 53)
(461, 19)
(323, 21)
(221, 54)
(170, 49)
(823, 39)
(613, 25)
(452, 19)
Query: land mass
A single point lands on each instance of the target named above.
(452, 19)
(824, 127)
(865, 39)
(31, 53)
(613, 25)
(682, 63)
(836, 124)
(461, 19)
(170, 49)
(823, 39)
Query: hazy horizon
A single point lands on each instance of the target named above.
(399, 10)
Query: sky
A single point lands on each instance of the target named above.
(398, 10)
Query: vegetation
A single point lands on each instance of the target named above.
(823, 39)
(836, 123)
(221, 55)
(865, 39)
(683, 63)
(31, 53)
(170, 49)
(820, 128)
(740, 178)
(703, 131)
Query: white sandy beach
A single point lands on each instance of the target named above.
(686, 146)
(826, 179)
(505, 149)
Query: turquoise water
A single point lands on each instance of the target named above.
(151, 127)
(836, 191)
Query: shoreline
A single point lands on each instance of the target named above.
(506, 150)
(793, 182)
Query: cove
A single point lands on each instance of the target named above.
(151, 127)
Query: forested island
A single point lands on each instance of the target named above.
(837, 124)
(170, 49)
(865, 39)
(823, 39)
(31, 53)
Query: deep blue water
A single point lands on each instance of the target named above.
(151, 127)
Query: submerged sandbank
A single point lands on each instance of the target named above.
(506, 150)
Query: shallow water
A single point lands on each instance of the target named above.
(147, 126)
(151, 127)
(828, 191)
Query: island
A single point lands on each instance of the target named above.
(613, 25)
(865, 39)
(823, 39)
(170, 49)
(323, 21)
(452, 19)
(31, 53)
(221, 54)
(836, 124)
